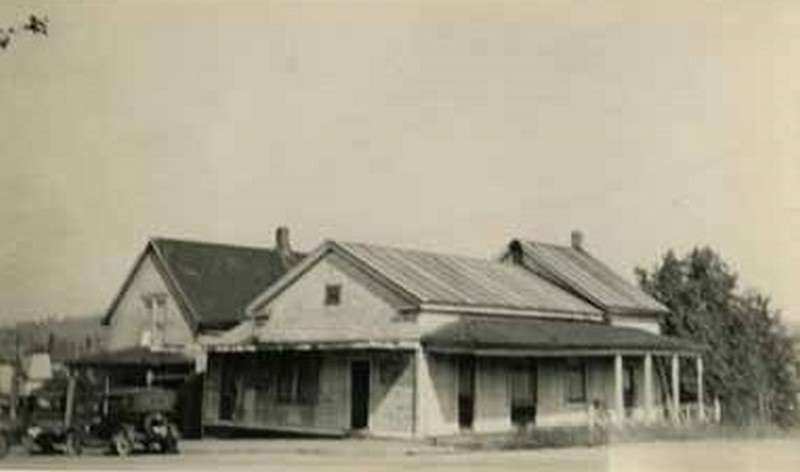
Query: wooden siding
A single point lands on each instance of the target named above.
(367, 311)
(131, 318)
(257, 407)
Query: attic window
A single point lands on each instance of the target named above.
(333, 294)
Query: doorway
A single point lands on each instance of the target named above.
(629, 390)
(466, 392)
(359, 394)
(229, 390)
(523, 393)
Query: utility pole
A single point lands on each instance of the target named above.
(15, 375)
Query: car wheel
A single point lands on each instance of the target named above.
(169, 446)
(122, 443)
(4, 445)
(73, 445)
(46, 446)
(29, 444)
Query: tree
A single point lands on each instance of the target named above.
(36, 25)
(749, 357)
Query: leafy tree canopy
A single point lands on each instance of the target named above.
(36, 25)
(750, 363)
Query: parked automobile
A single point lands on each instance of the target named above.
(140, 419)
(57, 417)
(66, 416)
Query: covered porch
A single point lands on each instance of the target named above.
(319, 388)
(488, 375)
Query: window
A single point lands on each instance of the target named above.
(307, 380)
(298, 379)
(333, 294)
(523, 393)
(286, 382)
(576, 381)
(156, 306)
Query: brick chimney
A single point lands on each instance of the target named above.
(577, 240)
(283, 246)
(516, 251)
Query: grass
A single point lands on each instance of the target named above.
(582, 436)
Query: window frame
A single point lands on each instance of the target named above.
(577, 368)
(298, 380)
(333, 294)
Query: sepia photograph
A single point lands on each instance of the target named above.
(430, 235)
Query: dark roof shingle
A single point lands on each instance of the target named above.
(218, 280)
(543, 334)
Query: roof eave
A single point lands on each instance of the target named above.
(489, 349)
(437, 307)
(106, 321)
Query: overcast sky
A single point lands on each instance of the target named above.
(450, 126)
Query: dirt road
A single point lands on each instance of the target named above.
(283, 455)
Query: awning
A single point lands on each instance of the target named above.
(553, 337)
(136, 357)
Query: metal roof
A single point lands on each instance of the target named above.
(444, 279)
(480, 333)
(577, 270)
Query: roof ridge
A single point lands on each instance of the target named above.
(160, 239)
(420, 251)
(553, 245)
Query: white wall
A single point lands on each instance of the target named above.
(391, 404)
(492, 395)
(367, 311)
(131, 318)
(391, 411)
(437, 381)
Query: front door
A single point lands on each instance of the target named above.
(629, 389)
(359, 394)
(466, 392)
(228, 390)
(523, 393)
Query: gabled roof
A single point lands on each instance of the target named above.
(212, 283)
(548, 336)
(578, 271)
(435, 281)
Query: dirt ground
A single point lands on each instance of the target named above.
(348, 455)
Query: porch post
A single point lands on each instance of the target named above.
(420, 387)
(619, 401)
(676, 389)
(648, 387)
(701, 404)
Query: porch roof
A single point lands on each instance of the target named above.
(135, 356)
(480, 334)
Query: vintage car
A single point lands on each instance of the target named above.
(68, 417)
(140, 419)
(57, 417)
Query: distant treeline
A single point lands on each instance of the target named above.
(64, 339)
